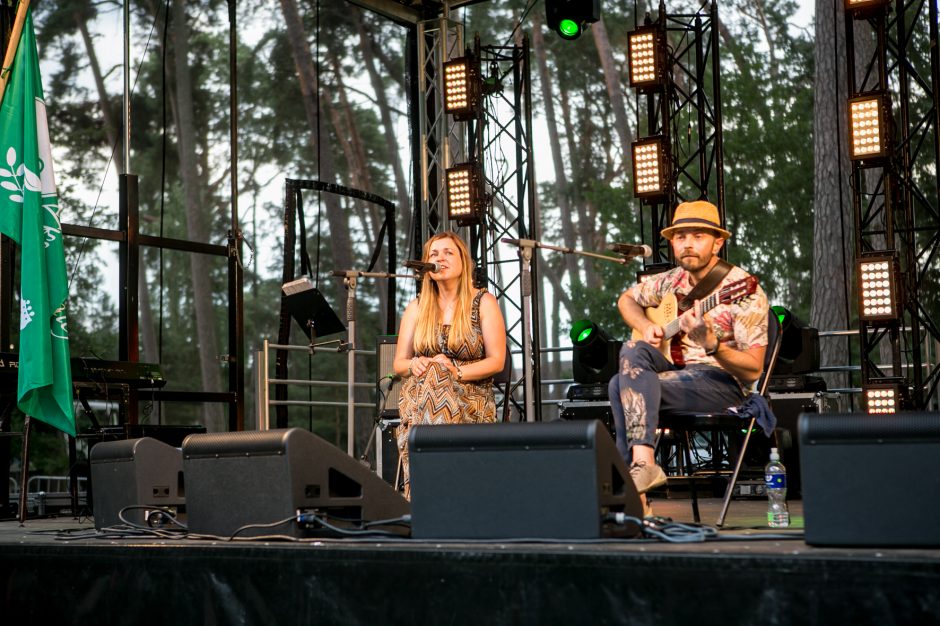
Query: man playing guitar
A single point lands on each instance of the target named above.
(721, 351)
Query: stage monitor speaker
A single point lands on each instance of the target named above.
(871, 480)
(546, 480)
(134, 472)
(261, 477)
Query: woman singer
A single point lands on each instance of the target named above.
(451, 342)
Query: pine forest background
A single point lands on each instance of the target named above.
(779, 183)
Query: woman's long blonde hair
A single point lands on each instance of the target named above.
(429, 313)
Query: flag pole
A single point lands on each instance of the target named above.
(12, 45)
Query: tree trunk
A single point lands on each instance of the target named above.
(385, 110)
(340, 243)
(195, 204)
(614, 90)
(112, 129)
(833, 222)
(309, 88)
(347, 132)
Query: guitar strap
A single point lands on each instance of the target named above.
(706, 285)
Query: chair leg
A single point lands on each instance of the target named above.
(729, 490)
(693, 492)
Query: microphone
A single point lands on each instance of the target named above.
(630, 249)
(529, 243)
(421, 266)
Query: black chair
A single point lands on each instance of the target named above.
(504, 379)
(683, 425)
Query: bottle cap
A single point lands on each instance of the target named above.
(774, 455)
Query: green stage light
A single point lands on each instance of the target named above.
(569, 29)
(569, 18)
(799, 344)
(595, 353)
(782, 314)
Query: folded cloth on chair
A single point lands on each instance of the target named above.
(755, 405)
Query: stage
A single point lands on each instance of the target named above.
(742, 578)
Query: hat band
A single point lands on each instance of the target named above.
(694, 220)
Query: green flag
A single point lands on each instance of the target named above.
(29, 214)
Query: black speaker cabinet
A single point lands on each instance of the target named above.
(871, 480)
(590, 410)
(550, 480)
(386, 448)
(259, 477)
(130, 472)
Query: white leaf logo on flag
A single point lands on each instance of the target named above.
(62, 323)
(31, 180)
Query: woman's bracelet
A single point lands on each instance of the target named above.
(459, 371)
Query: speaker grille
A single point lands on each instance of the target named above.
(245, 443)
(386, 351)
(541, 435)
(869, 428)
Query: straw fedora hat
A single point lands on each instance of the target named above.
(696, 214)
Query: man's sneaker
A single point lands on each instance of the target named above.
(646, 476)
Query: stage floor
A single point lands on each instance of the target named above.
(743, 578)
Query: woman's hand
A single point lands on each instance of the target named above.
(419, 365)
(446, 362)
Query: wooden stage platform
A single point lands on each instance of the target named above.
(743, 577)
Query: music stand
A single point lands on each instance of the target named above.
(310, 309)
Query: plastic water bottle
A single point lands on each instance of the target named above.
(775, 481)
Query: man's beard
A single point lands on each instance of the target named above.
(694, 263)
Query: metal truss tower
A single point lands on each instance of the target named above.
(896, 199)
(503, 144)
(498, 140)
(685, 109)
(442, 140)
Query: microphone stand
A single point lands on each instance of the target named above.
(622, 260)
(526, 248)
(349, 281)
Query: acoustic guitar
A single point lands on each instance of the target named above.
(667, 315)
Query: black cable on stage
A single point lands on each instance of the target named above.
(321, 520)
(167, 514)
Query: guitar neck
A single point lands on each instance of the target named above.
(672, 328)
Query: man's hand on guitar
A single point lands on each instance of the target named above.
(653, 335)
(698, 329)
